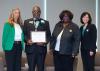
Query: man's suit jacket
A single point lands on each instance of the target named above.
(29, 26)
(70, 39)
(88, 40)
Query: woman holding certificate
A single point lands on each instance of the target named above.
(13, 41)
(37, 35)
(65, 42)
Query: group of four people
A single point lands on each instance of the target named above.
(64, 41)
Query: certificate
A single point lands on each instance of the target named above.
(38, 36)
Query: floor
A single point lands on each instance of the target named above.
(79, 66)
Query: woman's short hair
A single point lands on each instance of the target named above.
(84, 14)
(69, 14)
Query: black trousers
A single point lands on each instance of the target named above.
(13, 58)
(36, 58)
(88, 61)
(63, 62)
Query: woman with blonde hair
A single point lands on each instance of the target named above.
(13, 41)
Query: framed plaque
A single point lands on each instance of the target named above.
(38, 36)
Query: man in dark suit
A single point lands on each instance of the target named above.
(36, 52)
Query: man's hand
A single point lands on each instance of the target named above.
(29, 42)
